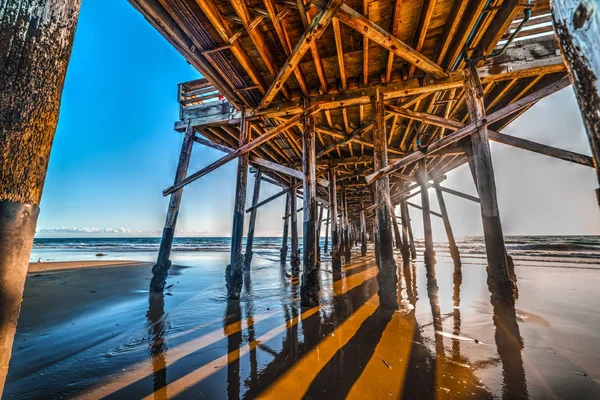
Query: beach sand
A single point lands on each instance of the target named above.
(91, 330)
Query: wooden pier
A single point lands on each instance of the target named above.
(353, 106)
(362, 105)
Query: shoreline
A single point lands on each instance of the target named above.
(53, 266)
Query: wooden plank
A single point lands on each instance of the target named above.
(423, 25)
(284, 39)
(312, 34)
(374, 32)
(216, 19)
(502, 70)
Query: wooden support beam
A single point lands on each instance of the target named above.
(295, 255)
(311, 35)
(427, 232)
(233, 272)
(407, 240)
(336, 258)
(36, 38)
(346, 238)
(468, 130)
(160, 270)
(577, 25)
(252, 224)
(499, 282)
(397, 236)
(374, 32)
(310, 286)
(455, 192)
(418, 207)
(243, 149)
(363, 231)
(254, 160)
(499, 137)
(328, 219)
(319, 226)
(422, 27)
(387, 277)
(284, 242)
(524, 62)
(449, 234)
(284, 39)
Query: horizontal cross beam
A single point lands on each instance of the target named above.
(243, 149)
(469, 129)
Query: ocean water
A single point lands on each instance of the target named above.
(559, 251)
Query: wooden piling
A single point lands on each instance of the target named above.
(407, 222)
(309, 293)
(397, 237)
(326, 245)
(363, 231)
(577, 26)
(387, 277)
(233, 272)
(286, 222)
(160, 270)
(405, 241)
(252, 223)
(336, 258)
(499, 282)
(35, 47)
(295, 254)
(318, 239)
(346, 232)
(427, 232)
(454, 253)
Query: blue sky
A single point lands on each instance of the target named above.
(115, 150)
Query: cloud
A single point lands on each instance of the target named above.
(85, 231)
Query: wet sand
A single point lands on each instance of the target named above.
(36, 267)
(96, 332)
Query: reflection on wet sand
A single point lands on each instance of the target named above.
(157, 328)
(265, 345)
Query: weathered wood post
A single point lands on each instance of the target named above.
(160, 270)
(318, 238)
(407, 222)
(499, 282)
(405, 225)
(309, 293)
(346, 239)
(326, 245)
(36, 38)
(252, 224)
(336, 258)
(284, 247)
(427, 232)
(386, 278)
(577, 25)
(233, 272)
(295, 255)
(397, 237)
(454, 253)
(363, 230)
